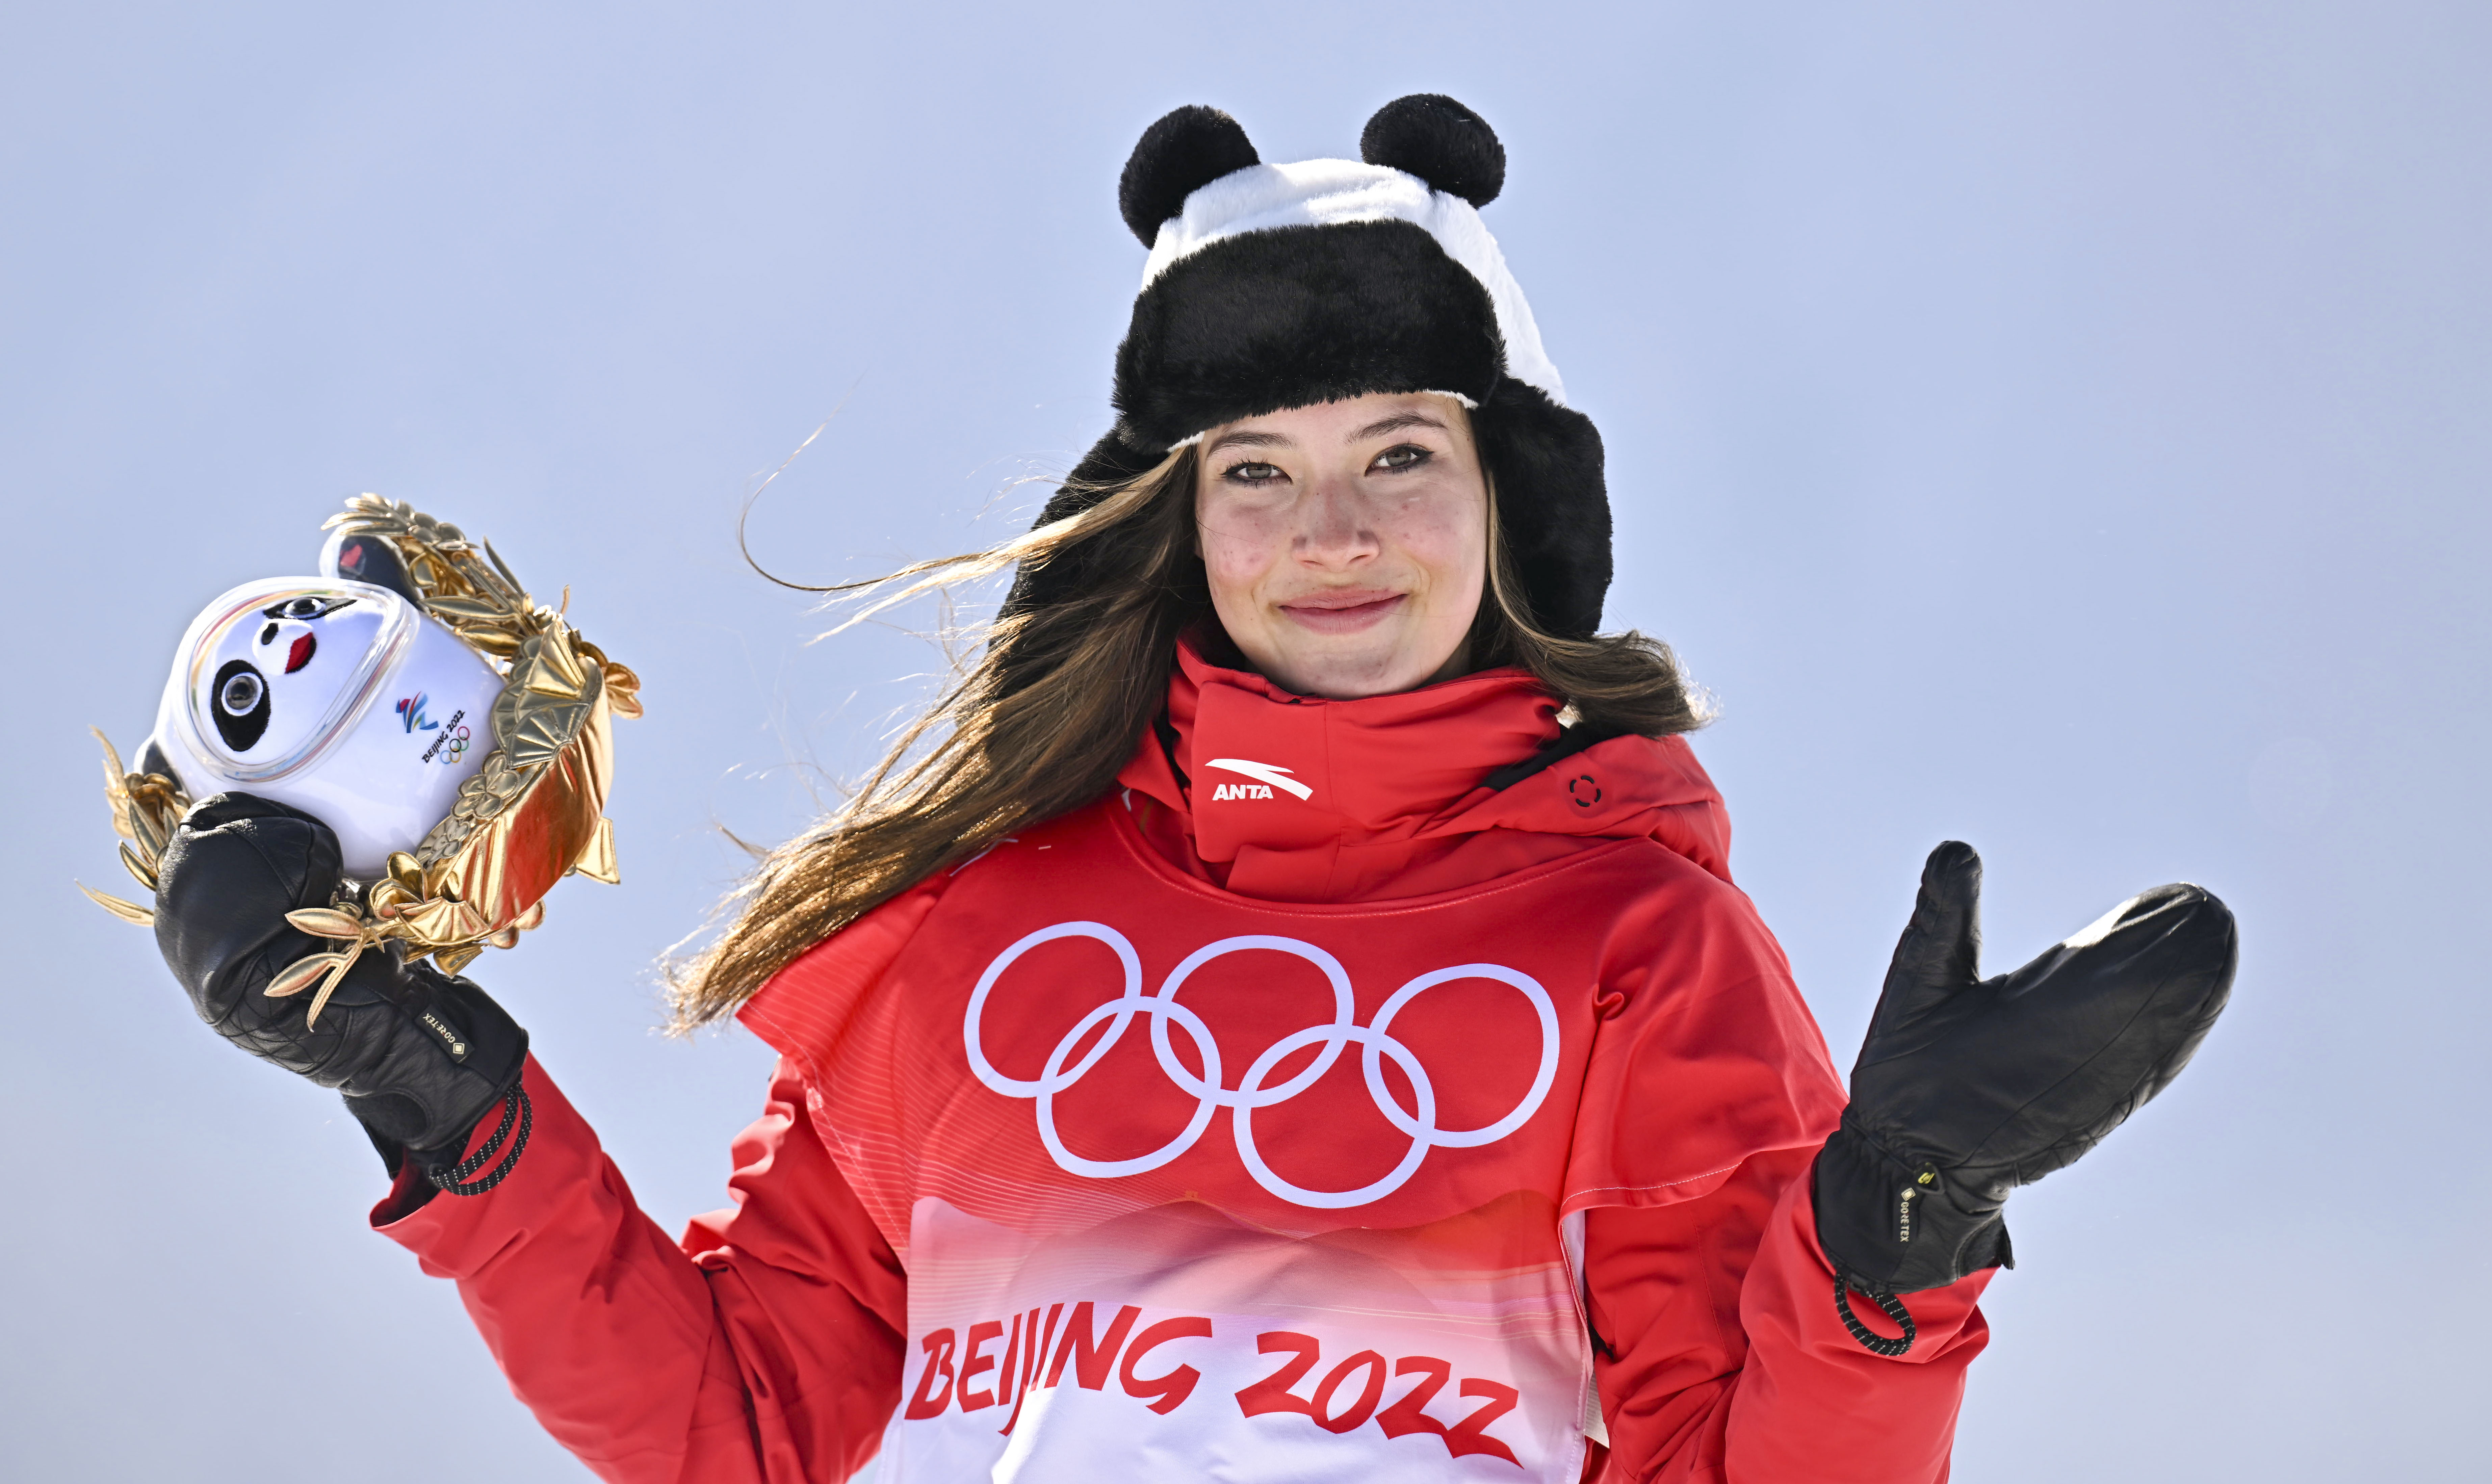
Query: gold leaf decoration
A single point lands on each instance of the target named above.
(464, 607)
(492, 641)
(623, 690)
(326, 922)
(597, 862)
(126, 911)
(296, 977)
(501, 566)
(328, 987)
(546, 680)
(145, 808)
(440, 922)
(116, 792)
(531, 750)
(555, 648)
(150, 835)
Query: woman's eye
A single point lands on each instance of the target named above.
(1255, 473)
(1408, 456)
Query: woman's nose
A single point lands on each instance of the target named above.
(1336, 526)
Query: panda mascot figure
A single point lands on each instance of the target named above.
(337, 697)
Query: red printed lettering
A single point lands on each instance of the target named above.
(1092, 1360)
(1008, 1375)
(1468, 1436)
(1410, 1413)
(1033, 1357)
(1405, 1418)
(1171, 1387)
(973, 1365)
(1272, 1393)
(1359, 1410)
(938, 1358)
(1347, 1396)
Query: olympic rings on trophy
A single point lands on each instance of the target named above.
(1211, 1091)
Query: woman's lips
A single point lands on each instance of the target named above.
(1345, 613)
(300, 653)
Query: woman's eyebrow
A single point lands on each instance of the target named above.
(1248, 437)
(1394, 424)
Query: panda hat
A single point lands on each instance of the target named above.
(1285, 285)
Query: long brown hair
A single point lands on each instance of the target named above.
(1040, 722)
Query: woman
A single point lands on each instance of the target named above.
(1292, 1019)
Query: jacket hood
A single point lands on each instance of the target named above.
(1297, 798)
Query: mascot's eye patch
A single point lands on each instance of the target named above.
(241, 709)
(302, 611)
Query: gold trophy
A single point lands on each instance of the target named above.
(455, 734)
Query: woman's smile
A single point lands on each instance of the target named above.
(1348, 612)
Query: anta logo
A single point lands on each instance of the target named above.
(1267, 777)
(410, 713)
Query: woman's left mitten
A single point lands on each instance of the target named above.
(1968, 1087)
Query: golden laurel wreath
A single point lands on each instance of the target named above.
(534, 812)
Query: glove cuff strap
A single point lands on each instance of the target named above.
(456, 1179)
(1870, 1340)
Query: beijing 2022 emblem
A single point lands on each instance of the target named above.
(452, 730)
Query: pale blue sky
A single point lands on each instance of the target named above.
(2062, 427)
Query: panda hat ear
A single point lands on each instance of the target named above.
(1186, 149)
(1438, 139)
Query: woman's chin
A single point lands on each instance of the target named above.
(1350, 673)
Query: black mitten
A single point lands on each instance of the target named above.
(419, 1054)
(1968, 1087)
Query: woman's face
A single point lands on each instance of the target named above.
(1347, 544)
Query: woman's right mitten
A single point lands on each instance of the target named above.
(420, 1055)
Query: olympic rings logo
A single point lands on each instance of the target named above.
(454, 744)
(1211, 1091)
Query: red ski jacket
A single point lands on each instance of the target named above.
(1307, 1109)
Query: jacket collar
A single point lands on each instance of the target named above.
(1278, 782)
